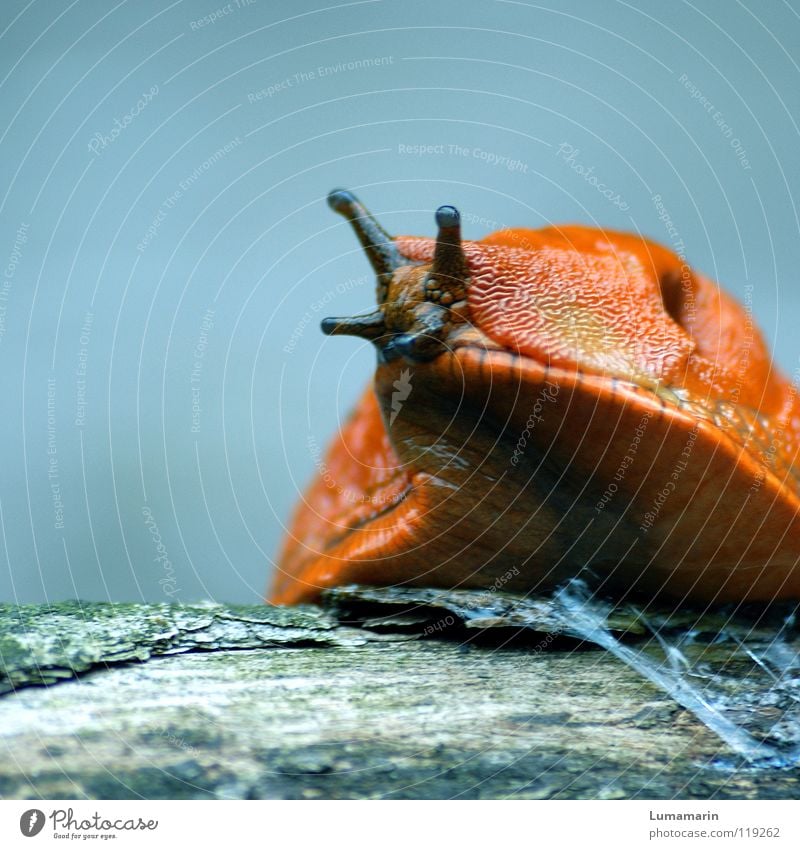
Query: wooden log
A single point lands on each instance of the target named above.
(432, 699)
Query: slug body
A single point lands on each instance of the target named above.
(549, 404)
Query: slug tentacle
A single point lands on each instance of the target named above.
(383, 255)
(369, 326)
(423, 340)
(416, 347)
(447, 281)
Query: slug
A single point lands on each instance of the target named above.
(550, 404)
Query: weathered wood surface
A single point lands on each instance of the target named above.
(435, 701)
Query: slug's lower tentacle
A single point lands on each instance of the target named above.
(423, 341)
(371, 326)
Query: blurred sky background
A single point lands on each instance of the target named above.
(167, 252)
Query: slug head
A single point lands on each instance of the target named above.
(419, 304)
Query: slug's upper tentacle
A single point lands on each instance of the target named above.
(447, 281)
(379, 246)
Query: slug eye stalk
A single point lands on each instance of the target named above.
(447, 280)
(379, 246)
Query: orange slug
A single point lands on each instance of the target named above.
(549, 404)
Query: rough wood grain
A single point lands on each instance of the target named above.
(255, 702)
(43, 644)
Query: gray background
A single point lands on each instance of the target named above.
(657, 98)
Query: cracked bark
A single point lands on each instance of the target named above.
(422, 694)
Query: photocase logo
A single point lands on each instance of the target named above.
(31, 822)
(402, 390)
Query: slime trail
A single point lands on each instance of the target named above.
(588, 619)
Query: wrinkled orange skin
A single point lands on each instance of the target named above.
(700, 504)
